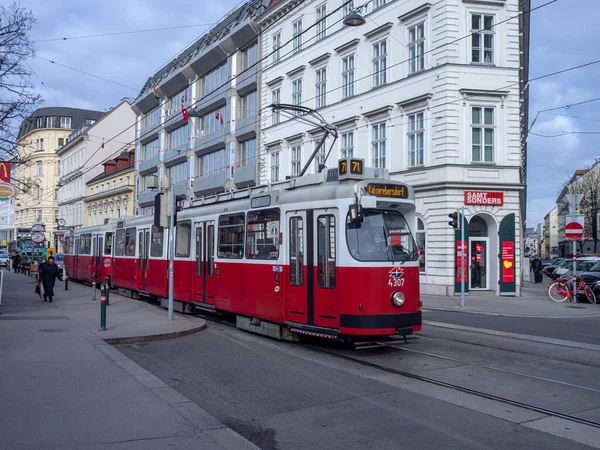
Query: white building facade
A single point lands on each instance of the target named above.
(435, 92)
(82, 155)
(7, 221)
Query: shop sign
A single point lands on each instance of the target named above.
(484, 198)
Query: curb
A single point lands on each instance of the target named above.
(484, 313)
(152, 337)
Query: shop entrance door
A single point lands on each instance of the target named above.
(478, 259)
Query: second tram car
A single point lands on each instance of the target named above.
(330, 255)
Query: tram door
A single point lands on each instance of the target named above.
(144, 253)
(76, 257)
(312, 297)
(96, 260)
(204, 279)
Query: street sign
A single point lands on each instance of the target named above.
(38, 228)
(38, 237)
(573, 231)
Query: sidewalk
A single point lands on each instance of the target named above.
(533, 303)
(62, 386)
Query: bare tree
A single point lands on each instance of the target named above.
(17, 97)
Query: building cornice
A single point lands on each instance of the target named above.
(415, 12)
(274, 82)
(110, 193)
(347, 46)
(384, 110)
(415, 100)
(296, 71)
(379, 31)
(320, 59)
(71, 144)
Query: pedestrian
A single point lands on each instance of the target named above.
(48, 275)
(537, 269)
(16, 262)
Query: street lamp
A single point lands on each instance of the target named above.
(354, 20)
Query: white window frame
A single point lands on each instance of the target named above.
(297, 92)
(321, 27)
(480, 34)
(40, 122)
(296, 160)
(40, 169)
(380, 60)
(416, 47)
(379, 144)
(416, 155)
(347, 142)
(276, 47)
(276, 99)
(297, 35)
(348, 68)
(320, 155)
(484, 129)
(275, 164)
(321, 87)
(64, 121)
(419, 231)
(348, 7)
(51, 122)
(378, 4)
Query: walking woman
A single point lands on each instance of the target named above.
(48, 274)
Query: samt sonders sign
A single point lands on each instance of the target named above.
(484, 198)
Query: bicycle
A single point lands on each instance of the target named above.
(562, 289)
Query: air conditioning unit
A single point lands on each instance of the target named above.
(152, 182)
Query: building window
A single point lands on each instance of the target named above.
(348, 76)
(212, 80)
(416, 47)
(179, 173)
(213, 121)
(38, 193)
(348, 145)
(297, 92)
(321, 21)
(40, 169)
(39, 145)
(61, 142)
(378, 145)
(213, 162)
(89, 121)
(249, 57)
(179, 137)
(248, 105)
(482, 39)
(378, 3)
(65, 122)
(50, 122)
(114, 184)
(150, 120)
(173, 105)
(150, 150)
(379, 63)
(276, 99)
(275, 166)
(321, 87)
(416, 138)
(297, 36)
(247, 152)
(421, 236)
(296, 160)
(38, 215)
(276, 47)
(121, 182)
(320, 156)
(482, 132)
(348, 7)
(40, 122)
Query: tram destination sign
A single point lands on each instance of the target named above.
(387, 190)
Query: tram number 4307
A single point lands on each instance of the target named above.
(395, 282)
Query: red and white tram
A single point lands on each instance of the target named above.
(330, 254)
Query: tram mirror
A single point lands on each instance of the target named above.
(356, 215)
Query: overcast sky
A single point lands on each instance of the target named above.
(562, 36)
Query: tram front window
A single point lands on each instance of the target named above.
(383, 236)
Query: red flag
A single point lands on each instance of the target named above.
(155, 93)
(184, 111)
(219, 117)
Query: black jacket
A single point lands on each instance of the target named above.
(48, 274)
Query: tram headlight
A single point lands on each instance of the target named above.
(397, 299)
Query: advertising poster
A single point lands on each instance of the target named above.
(508, 262)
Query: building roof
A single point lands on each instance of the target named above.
(215, 34)
(112, 162)
(78, 117)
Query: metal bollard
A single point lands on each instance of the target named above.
(66, 279)
(102, 308)
(93, 286)
(107, 282)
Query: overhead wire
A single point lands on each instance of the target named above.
(43, 84)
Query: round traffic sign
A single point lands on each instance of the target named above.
(573, 231)
(38, 237)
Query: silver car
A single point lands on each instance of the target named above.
(4, 260)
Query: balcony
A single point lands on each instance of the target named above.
(146, 198)
(210, 142)
(210, 184)
(174, 116)
(246, 128)
(246, 176)
(181, 190)
(246, 81)
(176, 156)
(211, 102)
(149, 133)
(149, 165)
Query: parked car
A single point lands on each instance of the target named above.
(551, 266)
(583, 265)
(559, 264)
(4, 259)
(592, 278)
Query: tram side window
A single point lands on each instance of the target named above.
(69, 245)
(156, 246)
(326, 251)
(130, 242)
(182, 239)
(231, 236)
(108, 244)
(296, 254)
(262, 238)
(120, 242)
(85, 244)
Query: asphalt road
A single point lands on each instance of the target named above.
(282, 396)
(571, 329)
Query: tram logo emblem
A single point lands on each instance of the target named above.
(395, 278)
(396, 272)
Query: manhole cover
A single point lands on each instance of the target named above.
(575, 307)
(53, 330)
